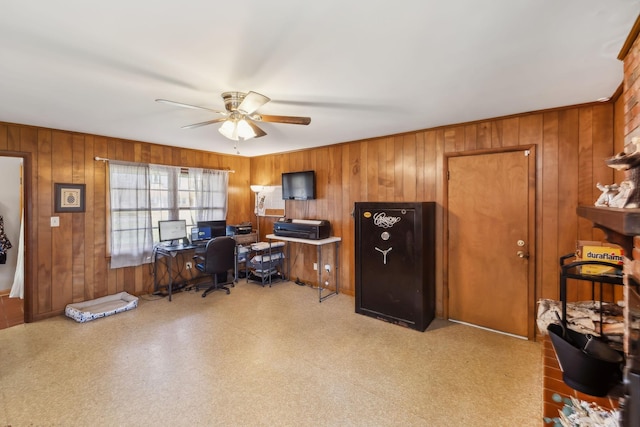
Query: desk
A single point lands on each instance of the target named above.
(318, 243)
(169, 253)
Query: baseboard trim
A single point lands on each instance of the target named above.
(490, 330)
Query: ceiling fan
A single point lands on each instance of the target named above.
(240, 114)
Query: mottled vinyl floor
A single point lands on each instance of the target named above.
(263, 357)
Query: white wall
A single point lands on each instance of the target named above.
(10, 211)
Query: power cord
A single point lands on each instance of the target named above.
(302, 283)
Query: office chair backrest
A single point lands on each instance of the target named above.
(220, 255)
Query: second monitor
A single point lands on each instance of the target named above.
(200, 234)
(218, 228)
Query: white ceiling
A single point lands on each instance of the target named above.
(359, 69)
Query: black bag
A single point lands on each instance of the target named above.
(3, 257)
(588, 364)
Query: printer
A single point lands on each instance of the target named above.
(244, 228)
(312, 229)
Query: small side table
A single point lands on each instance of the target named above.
(318, 243)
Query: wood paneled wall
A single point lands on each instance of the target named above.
(571, 145)
(69, 263)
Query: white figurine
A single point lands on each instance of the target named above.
(609, 192)
(629, 162)
(621, 199)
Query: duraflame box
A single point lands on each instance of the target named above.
(580, 244)
(597, 251)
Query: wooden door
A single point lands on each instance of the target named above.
(490, 218)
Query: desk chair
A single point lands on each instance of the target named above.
(216, 260)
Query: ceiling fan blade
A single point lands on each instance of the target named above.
(251, 102)
(292, 120)
(208, 122)
(259, 132)
(181, 104)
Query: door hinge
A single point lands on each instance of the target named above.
(448, 175)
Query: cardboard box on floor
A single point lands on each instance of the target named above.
(588, 250)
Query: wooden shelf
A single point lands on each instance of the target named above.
(620, 225)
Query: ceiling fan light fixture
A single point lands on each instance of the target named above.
(229, 130)
(237, 130)
(244, 130)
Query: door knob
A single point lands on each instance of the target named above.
(522, 254)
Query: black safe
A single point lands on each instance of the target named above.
(395, 262)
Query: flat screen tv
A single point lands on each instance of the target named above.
(299, 185)
(172, 230)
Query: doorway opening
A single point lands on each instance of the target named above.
(13, 263)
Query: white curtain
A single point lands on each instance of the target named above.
(138, 188)
(164, 189)
(208, 189)
(131, 228)
(17, 289)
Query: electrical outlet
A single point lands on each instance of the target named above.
(55, 221)
(327, 268)
(315, 265)
(189, 265)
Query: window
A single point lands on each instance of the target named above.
(193, 195)
(142, 195)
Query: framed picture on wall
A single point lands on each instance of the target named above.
(69, 197)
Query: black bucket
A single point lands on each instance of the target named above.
(588, 364)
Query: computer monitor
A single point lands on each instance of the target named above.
(199, 234)
(218, 228)
(175, 229)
